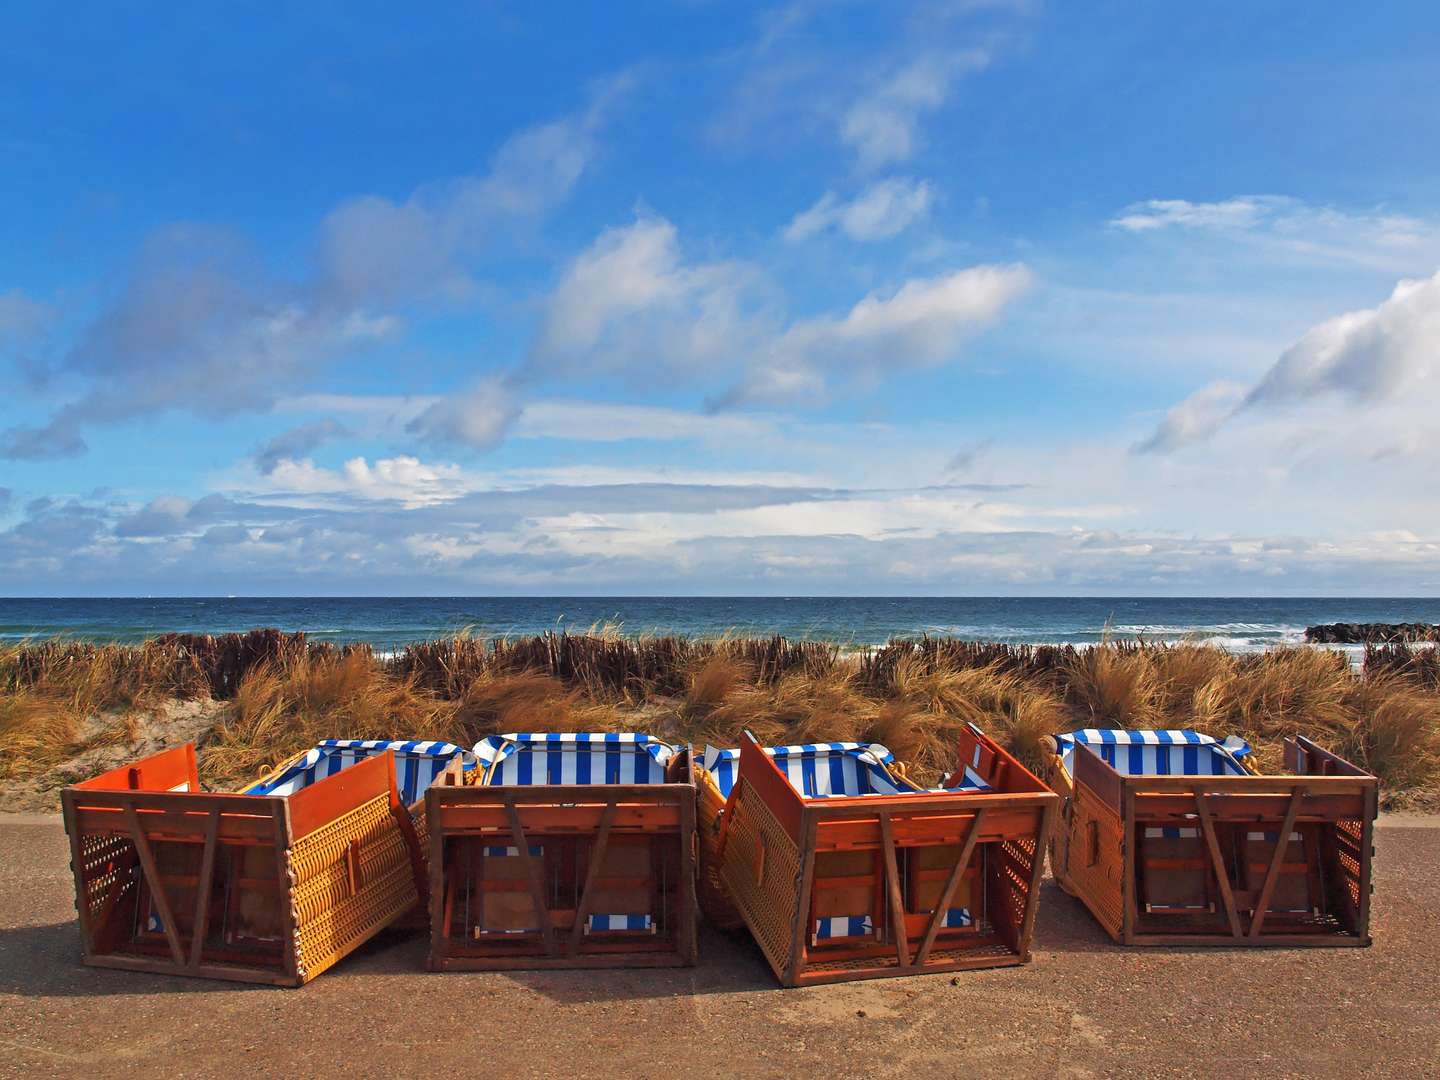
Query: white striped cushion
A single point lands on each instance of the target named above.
(1158, 753)
(417, 764)
(568, 758)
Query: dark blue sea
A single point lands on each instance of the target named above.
(386, 623)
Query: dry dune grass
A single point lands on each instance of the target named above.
(914, 696)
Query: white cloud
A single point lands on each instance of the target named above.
(1242, 212)
(1364, 355)
(1379, 361)
(404, 480)
(923, 323)
(882, 126)
(479, 418)
(374, 250)
(630, 302)
(881, 211)
(1195, 418)
(1284, 229)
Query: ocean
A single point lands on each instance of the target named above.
(1238, 623)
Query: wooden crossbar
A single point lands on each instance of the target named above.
(592, 877)
(1222, 875)
(157, 885)
(942, 906)
(892, 886)
(201, 922)
(1273, 874)
(533, 872)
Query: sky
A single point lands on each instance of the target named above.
(943, 298)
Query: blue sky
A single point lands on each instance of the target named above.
(971, 297)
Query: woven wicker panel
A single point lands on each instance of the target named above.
(714, 897)
(768, 905)
(1348, 837)
(104, 861)
(329, 920)
(1009, 877)
(1100, 884)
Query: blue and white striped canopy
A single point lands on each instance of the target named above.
(1179, 752)
(830, 770)
(574, 757)
(417, 763)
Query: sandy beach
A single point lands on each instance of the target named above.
(1083, 1008)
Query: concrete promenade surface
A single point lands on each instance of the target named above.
(1084, 1007)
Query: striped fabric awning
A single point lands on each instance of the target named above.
(830, 770)
(572, 757)
(819, 770)
(1179, 752)
(417, 764)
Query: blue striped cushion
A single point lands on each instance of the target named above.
(819, 770)
(848, 926)
(633, 923)
(417, 764)
(1158, 753)
(569, 758)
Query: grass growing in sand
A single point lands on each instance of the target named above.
(279, 694)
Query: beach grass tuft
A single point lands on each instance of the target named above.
(278, 693)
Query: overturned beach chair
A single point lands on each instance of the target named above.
(1172, 837)
(572, 850)
(273, 884)
(843, 869)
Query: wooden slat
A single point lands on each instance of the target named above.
(892, 886)
(799, 929)
(951, 884)
(533, 872)
(592, 875)
(1273, 874)
(1037, 872)
(77, 867)
(201, 922)
(157, 886)
(1222, 875)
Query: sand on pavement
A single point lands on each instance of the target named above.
(1084, 1007)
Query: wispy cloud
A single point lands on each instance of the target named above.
(881, 211)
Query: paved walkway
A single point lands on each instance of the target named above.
(1083, 1008)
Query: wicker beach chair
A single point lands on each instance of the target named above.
(844, 869)
(273, 884)
(1173, 836)
(572, 850)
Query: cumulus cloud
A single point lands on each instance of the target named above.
(1362, 358)
(297, 443)
(630, 302)
(1362, 355)
(478, 419)
(661, 537)
(200, 325)
(881, 211)
(923, 323)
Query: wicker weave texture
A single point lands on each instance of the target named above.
(1096, 833)
(761, 871)
(715, 900)
(334, 914)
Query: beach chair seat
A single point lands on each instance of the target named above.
(831, 850)
(271, 884)
(1172, 835)
(573, 849)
